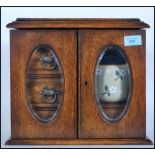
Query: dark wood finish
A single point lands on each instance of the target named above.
(119, 23)
(92, 125)
(79, 142)
(24, 125)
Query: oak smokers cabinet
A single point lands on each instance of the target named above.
(78, 81)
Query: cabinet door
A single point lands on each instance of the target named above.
(43, 83)
(112, 98)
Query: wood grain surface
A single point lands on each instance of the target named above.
(92, 124)
(89, 141)
(111, 23)
(77, 43)
(24, 125)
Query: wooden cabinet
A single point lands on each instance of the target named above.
(78, 81)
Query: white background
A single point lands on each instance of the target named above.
(77, 3)
(10, 14)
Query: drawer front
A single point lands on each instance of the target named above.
(43, 73)
(45, 82)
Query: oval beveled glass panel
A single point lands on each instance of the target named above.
(44, 83)
(112, 83)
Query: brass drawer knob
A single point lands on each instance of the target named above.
(49, 94)
(47, 59)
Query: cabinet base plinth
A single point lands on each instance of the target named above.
(79, 142)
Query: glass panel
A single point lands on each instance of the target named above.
(45, 84)
(112, 83)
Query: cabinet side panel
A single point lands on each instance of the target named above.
(16, 82)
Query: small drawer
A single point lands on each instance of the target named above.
(35, 87)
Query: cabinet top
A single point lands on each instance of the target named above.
(106, 23)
